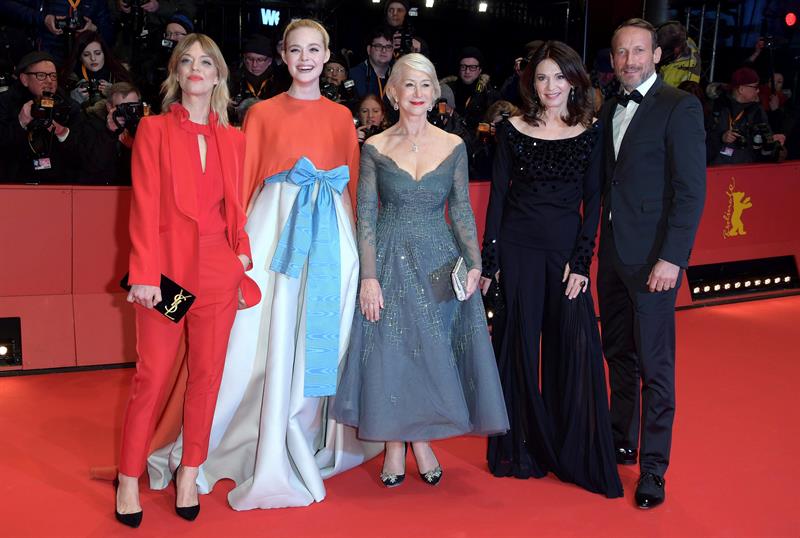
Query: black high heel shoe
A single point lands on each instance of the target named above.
(433, 476)
(132, 520)
(393, 480)
(189, 513)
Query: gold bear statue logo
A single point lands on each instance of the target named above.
(737, 203)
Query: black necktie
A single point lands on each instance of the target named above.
(634, 96)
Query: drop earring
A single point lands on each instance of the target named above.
(572, 95)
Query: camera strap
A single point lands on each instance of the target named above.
(74, 4)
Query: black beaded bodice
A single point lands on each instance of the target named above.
(538, 188)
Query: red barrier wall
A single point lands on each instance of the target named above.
(65, 248)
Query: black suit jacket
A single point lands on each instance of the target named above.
(655, 189)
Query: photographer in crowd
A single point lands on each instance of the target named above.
(371, 118)
(35, 121)
(65, 19)
(106, 134)
(680, 58)
(153, 69)
(91, 70)
(254, 81)
(471, 88)
(335, 83)
(370, 76)
(21, 27)
(143, 24)
(739, 132)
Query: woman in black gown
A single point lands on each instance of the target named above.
(540, 233)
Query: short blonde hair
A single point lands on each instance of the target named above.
(171, 88)
(415, 62)
(306, 23)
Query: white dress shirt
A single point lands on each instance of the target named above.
(624, 114)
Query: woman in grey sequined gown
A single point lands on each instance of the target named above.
(425, 369)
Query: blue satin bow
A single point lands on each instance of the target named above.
(312, 233)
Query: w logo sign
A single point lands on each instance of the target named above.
(270, 17)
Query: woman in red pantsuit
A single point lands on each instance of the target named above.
(186, 223)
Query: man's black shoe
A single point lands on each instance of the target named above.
(626, 456)
(650, 491)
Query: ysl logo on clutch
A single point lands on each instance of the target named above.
(176, 301)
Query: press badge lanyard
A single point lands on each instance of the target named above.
(74, 4)
(732, 122)
(253, 91)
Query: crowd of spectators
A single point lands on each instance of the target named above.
(75, 77)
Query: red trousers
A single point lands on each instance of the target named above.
(208, 324)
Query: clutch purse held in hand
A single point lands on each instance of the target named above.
(175, 300)
(459, 278)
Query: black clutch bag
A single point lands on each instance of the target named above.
(175, 300)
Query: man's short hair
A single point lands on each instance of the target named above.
(638, 23)
(123, 89)
(380, 31)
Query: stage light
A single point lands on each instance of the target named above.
(428, 3)
(706, 288)
(376, 1)
(767, 281)
(489, 314)
(787, 278)
(727, 285)
(3, 351)
(737, 285)
(790, 19)
(717, 287)
(482, 7)
(757, 282)
(696, 290)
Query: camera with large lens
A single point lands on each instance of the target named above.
(328, 89)
(760, 137)
(92, 88)
(127, 116)
(372, 130)
(72, 23)
(5, 81)
(47, 109)
(438, 115)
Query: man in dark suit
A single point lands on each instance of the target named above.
(654, 189)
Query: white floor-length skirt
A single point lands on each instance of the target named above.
(274, 443)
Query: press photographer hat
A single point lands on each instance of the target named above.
(34, 58)
(743, 76)
(259, 44)
(183, 20)
(471, 52)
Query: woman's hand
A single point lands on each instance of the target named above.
(104, 86)
(472, 281)
(147, 296)
(486, 282)
(577, 283)
(371, 299)
(50, 24)
(361, 133)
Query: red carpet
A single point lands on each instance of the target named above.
(735, 464)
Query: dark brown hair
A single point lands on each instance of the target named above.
(579, 102)
(637, 23)
(117, 71)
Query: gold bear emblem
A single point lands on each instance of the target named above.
(737, 203)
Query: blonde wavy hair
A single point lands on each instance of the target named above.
(415, 62)
(220, 96)
(306, 23)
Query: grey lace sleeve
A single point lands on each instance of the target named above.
(367, 212)
(462, 220)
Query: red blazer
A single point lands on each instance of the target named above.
(163, 220)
